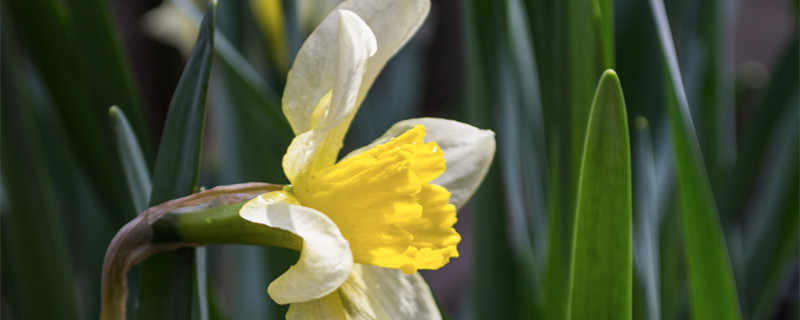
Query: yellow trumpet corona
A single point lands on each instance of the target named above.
(383, 203)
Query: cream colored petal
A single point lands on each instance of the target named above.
(325, 260)
(373, 293)
(357, 43)
(312, 75)
(170, 25)
(319, 146)
(328, 307)
(468, 153)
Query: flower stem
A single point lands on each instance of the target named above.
(220, 225)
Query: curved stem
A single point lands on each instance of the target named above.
(135, 241)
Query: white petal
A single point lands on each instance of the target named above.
(468, 153)
(319, 146)
(325, 260)
(312, 75)
(356, 44)
(374, 293)
(170, 25)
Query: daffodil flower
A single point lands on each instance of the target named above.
(370, 220)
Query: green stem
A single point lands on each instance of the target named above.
(220, 225)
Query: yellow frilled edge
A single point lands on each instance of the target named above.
(384, 205)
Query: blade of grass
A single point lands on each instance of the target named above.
(713, 291)
(601, 274)
(717, 136)
(47, 27)
(771, 239)
(137, 175)
(36, 261)
(108, 76)
(532, 146)
(672, 274)
(133, 161)
(770, 110)
(582, 71)
(510, 159)
(166, 282)
(646, 250)
(495, 284)
(247, 76)
(548, 27)
(590, 39)
(603, 14)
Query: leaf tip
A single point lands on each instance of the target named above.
(641, 123)
(609, 77)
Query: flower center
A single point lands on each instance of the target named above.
(384, 205)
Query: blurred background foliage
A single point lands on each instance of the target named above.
(711, 90)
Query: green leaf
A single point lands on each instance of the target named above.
(166, 283)
(773, 107)
(245, 76)
(671, 269)
(603, 14)
(108, 75)
(530, 148)
(133, 161)
(601, 284)
(771, 241)
(80, 95)
(590, 46)
(646, 250)
(510, 158)
(712, 287)
(716, 126)
(38, 279)
(496, 285)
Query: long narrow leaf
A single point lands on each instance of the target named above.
(771, 241)
(771, 109)
(495, 284)
(531, 147)
(133, 161)
(646, 250)
(46, 27)
(713, 291)
(247, 77)
(35, 252)
(601, 284)
(166, 283)
(108, 76)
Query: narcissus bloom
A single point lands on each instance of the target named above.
(370, 220)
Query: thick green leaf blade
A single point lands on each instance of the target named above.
(166, 283)
(601, 285)
(133, 161)
(712, 287)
